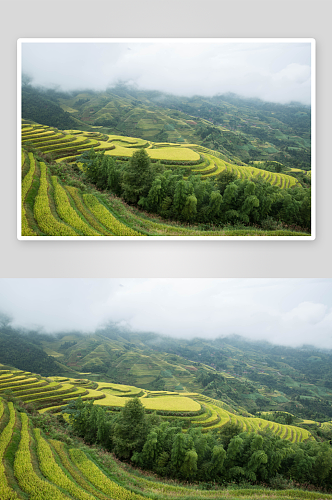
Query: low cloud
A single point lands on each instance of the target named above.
(284, 311)
(278, 72)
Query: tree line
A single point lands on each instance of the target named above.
(223, 456)
(225, 200)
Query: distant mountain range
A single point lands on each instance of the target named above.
(243, 130)
(257, 376)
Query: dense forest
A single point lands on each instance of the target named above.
(42, 108)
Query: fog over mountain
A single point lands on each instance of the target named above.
(284, 311)
(277, 72)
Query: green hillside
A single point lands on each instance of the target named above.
(52, 394)
(39, 460)
(128, 404)
(17, 350)
(241, 129)
(251, 377)
(63, 173)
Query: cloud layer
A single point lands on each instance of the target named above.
(283, 311)
(278, 72)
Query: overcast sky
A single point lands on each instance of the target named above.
(283, 311)
(278, 72)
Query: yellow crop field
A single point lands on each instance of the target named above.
(171, 403)
(118, 387)
(67, 213)
(327, 425)
(106, 218)
(163, 403)
(176, 154)
(250, 424)
(124, 138)
(42, 211)
(93, 394)
(93, 474)
(8, 380)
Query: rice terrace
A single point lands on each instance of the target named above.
(57, 200)
(40, 461)
(51, 394)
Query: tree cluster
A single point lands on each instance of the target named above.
(225, 200)
(225, 456)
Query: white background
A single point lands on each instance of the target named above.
(159, 18)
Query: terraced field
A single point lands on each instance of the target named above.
(53, 393)
(34, 467)
(219, 416)
(51, 208)
(217, 163)
(69, 144)
(44, 470)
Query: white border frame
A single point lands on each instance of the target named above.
(312, 41)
